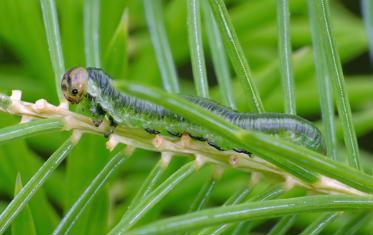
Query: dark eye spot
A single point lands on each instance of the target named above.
(74, 92)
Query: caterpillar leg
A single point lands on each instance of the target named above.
(113, 125)
(97, 112)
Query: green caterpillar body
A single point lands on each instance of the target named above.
(95, 85)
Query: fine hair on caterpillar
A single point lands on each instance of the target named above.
(95, 86)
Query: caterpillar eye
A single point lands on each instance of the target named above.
(74, 92)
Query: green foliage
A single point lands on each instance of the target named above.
(180, 46)
(24, 223)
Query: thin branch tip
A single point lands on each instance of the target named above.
(166, 159)
(255, 178)
(158, 141)
(289, 183)
(218, 172)
(25, 119)
(333, 186)
(75, 137)
(234, 160)
(185, 140)
(200, 160)
(16, 95)
(64, 105)
(112, 142)
(129, 150)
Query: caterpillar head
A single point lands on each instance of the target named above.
(74, 84)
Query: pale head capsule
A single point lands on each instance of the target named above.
(74, 84)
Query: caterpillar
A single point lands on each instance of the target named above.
(95, 86)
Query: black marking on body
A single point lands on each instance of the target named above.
(151, 131)
(200, 138)
(215, 145)
(243, 151)
(174, 133)
(113, 125)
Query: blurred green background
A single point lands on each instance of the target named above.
(25, 65)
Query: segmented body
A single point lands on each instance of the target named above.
(137, 113)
